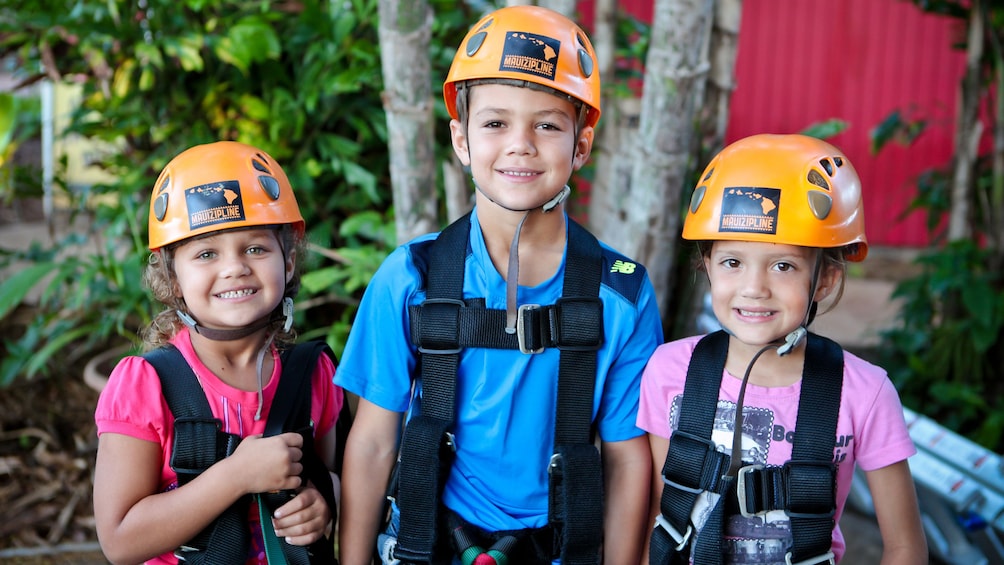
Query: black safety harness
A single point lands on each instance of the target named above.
(441, 327)
(804, 487)
(199, 442)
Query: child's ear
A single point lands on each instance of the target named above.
(829, 280)
(583, 147)
(458, 135)
(290, 266)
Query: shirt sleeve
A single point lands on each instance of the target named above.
(643, 333)
(663, 379)
(883, 438)
(132, 402)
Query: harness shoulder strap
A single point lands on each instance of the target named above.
(290, 412)
(693, 464)
(198, 443)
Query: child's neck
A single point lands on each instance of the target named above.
(235, 362)
(770, 370)
(541, 244)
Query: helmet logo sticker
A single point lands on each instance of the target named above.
(531, 54)
(215, 203)
(750, 210)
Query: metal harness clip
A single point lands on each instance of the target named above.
(521, 329)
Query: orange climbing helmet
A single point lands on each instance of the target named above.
(528, 43)
(791, 189)
(220, 186)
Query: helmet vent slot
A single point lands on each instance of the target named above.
(839, 161)
(259, 166)
(585, 63)
(475, 43)
(817, 179)
(827, 166)
(271, 187)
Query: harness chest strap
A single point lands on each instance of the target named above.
(693, 464)
(445, 324)
(199, 443)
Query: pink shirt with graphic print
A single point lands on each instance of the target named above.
(132, 404)
(871, 433)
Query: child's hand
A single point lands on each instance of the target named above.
(304, 519)
(267, 464)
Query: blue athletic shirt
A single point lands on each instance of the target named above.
(505, 399)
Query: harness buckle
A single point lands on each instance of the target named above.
(741, 479)
(680, 539)
(827, 557)
(521, 329)
(810, 473)
(435, 312)
(686, 445)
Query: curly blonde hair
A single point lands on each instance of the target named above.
(159, 277)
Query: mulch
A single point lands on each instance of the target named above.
(47, 450)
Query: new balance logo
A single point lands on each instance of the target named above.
(622, 267)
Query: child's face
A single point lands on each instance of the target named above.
(760, 291)
(520, 144)
(233, 278)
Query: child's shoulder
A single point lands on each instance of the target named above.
(679, 349)
(623, 275)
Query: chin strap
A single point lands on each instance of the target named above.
(230, 335)
(512, 270)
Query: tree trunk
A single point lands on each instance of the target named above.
(724, 48)
(968, 129)
(405, 31)
(675, 72)
(618, 123)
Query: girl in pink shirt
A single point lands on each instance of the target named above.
(776, 217)
(225, 235)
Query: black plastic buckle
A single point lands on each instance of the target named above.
(435, 313)
(577, 324)
(687, 449)
(810, 473)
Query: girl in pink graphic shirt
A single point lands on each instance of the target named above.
(756, 429)
(226, 235)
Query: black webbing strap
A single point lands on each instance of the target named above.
(575, 501)
(227, 539)
(693, 464)
(441, 327)
(290, 411)
(795, 486)
(198, 443)
(810, 507)
(426, 447)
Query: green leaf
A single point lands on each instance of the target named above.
(14, 289)
(826, 129)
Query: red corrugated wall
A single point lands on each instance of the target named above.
(805, 61)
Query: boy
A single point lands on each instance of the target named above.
(522, 335)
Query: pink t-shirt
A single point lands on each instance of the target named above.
(132, 404)
(871, 432)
